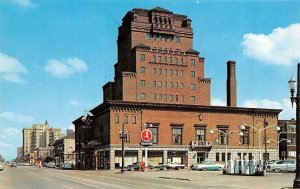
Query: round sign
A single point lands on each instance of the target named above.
(146, 135)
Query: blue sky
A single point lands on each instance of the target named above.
(55, 55)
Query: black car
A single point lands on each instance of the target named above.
(13, 164)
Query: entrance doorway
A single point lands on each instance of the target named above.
(201, 156)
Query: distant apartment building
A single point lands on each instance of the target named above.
(37, 137)
(287, 139)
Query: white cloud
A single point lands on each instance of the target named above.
(25, 3)
(74, 103)
(218, 102)
(66, 67)
(287, 111)
(10, 116)
(11, 69)
(281, 47)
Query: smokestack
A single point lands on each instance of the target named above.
(231, 84)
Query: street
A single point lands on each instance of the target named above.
(28, 177)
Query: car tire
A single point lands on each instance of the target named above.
(165, 168)
(277, 170)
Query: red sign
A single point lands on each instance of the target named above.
(146, 135)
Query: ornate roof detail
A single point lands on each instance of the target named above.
(192, 51)
(142, 46)
(159, 9)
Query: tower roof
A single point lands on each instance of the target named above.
(159, 9)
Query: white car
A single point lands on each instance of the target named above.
(1, 167)
(282, 165)
(207, 166)
(172, 165)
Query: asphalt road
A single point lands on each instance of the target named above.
(34, 178)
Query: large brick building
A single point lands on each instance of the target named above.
(160, 84)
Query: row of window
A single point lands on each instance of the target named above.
(192, 73)
(162, 37)
(161, 97)
(167, 60)
(171, 84)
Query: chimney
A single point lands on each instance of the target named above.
(231, 84)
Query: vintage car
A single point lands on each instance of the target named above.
(207, 166)
(282, 165)
(172, 165)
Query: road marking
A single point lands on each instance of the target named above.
(78, 182)
(66, 186)
(45, 178)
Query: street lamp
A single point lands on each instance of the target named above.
(296, 100)
(226, 142)
(243, 126)
(123, 135)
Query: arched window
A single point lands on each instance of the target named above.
(165, 21)
(160, 20)
(170, 22)
(155, 19)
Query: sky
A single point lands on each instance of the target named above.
(55, 55)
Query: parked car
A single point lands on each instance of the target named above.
(66, 166)
(1, 167)
(51, 165)
(282, 165)
(13, 164)
(207, 165)
(45, 164)
(133, 167)
(172, 165)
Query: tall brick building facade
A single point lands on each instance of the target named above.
(160, 84)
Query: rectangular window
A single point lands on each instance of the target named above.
(142, 83)
(177, 135)
(217, 156)
(223, 137)
(176, 60)
(223, 156)
(117, 118)
(171, 98)
(171, 72)
(154, 96)
(176, 98)
(193, 62)
(177, 39)
(160, 97)
(182, 98)
(160, 71)
(143, 70)
(166, 59)
(154, 83)
(127, 137)
(176, 72)
(182, 85)
(193, 86)
(159, 59)
(193, 74)
(142, 57)
(154, 71)
(176, 85)
(193, 99)
(166, 84)
(165, 97)
(159, 84)
(126, 119)
(165, 71)
(134, 119)
(181, 60)
(171, 59)
(154, 131)
(148, 36)
(171, 85)
(154, 58)
(200, 134)
(142, 96)
(181, 73)
(245, 137)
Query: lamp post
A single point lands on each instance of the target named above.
(296, 100)
(123, 135)
(226, 142)
(243, 126)
(269, 141)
